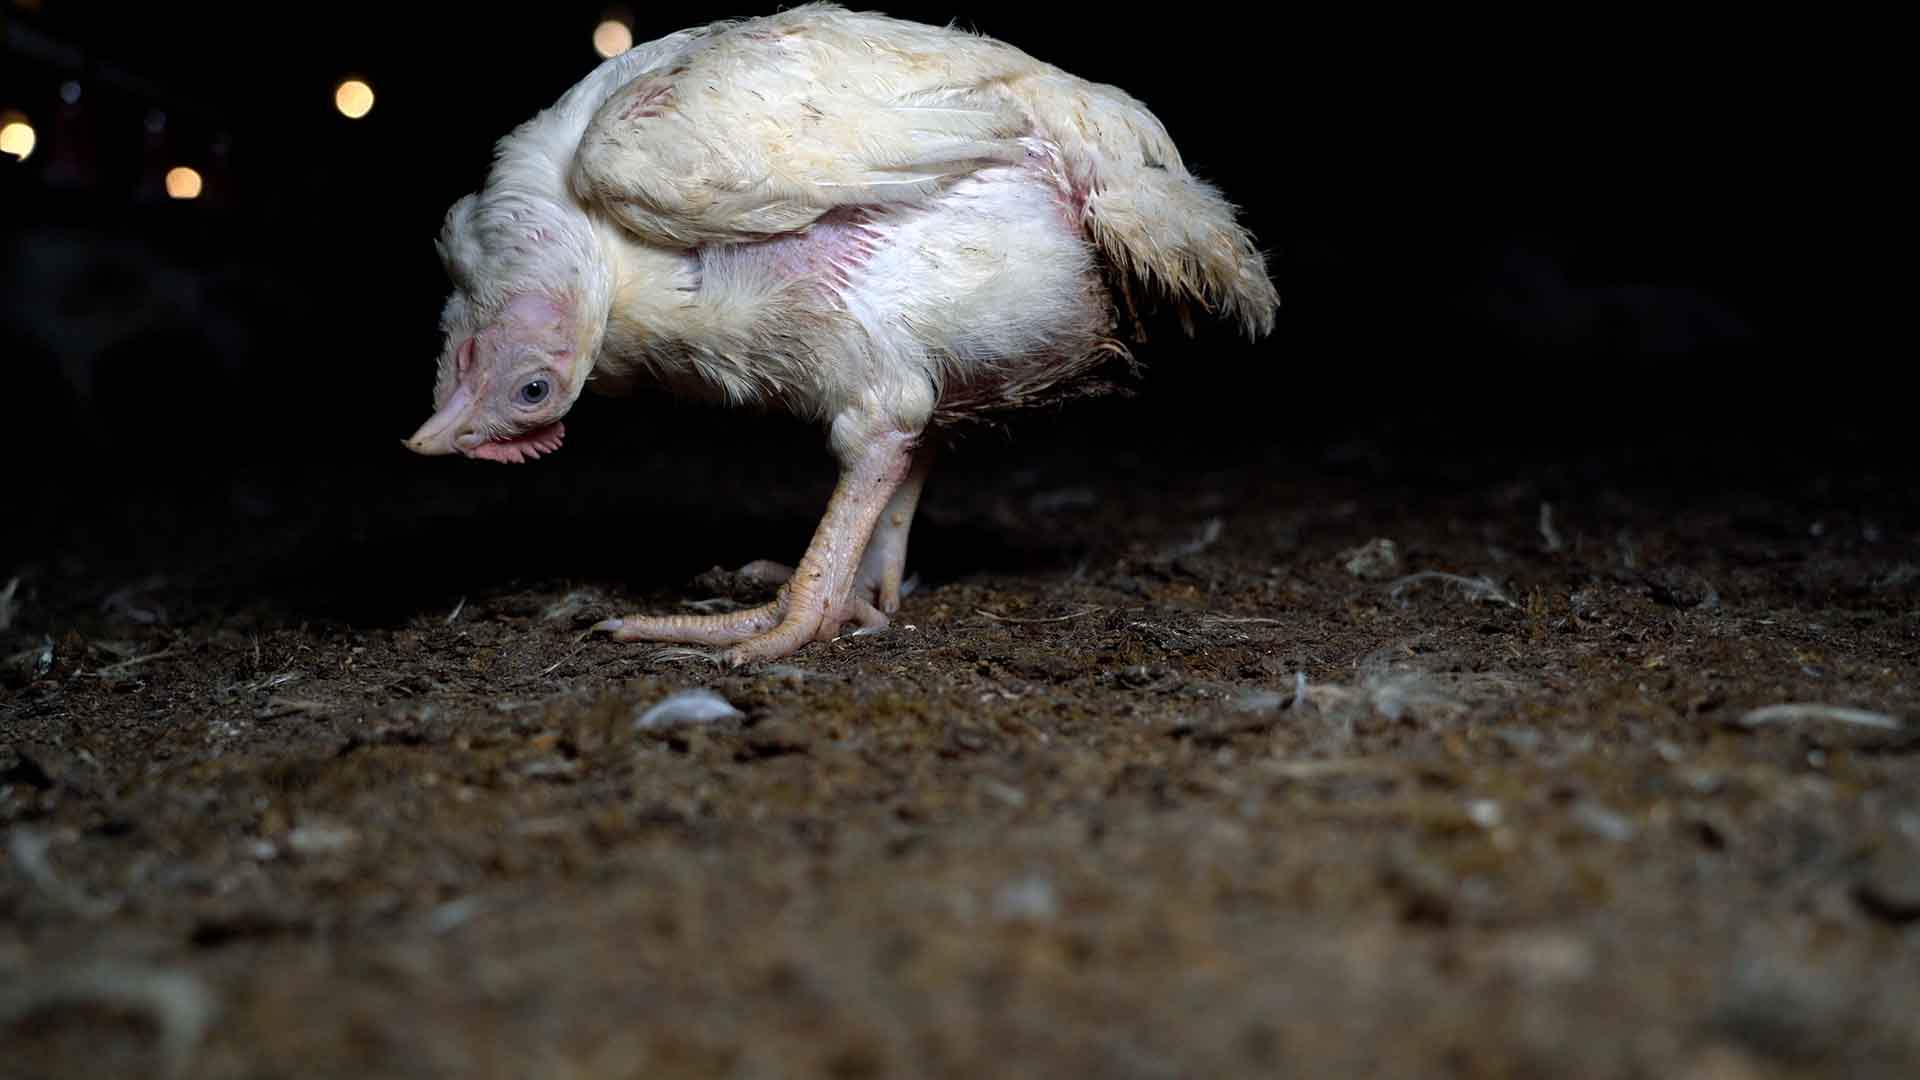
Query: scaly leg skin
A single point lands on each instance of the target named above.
(723, 629)
(876, 587)
(817, 598)
(885, 562)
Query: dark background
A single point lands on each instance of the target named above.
(1502, 243)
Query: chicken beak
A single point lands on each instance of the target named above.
(437, 435)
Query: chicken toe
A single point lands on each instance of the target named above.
(722, 629)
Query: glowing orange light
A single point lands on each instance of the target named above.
(16, 136)
(611, 38)
(183, 183)
(353, 98)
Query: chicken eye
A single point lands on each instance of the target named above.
(533, 392)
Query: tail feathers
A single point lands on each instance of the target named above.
(1176, 234)
(1160, 225)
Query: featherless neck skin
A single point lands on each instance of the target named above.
(535, 277)
(525, 330)
(531, 223)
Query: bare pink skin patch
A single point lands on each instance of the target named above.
(532, 311)
(826, 254)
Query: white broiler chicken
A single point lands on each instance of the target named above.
(879, 225)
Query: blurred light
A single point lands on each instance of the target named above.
(611, 38)
(156, 121)
(183, 183)
(16, 136)
(354, 99)
(70, 92)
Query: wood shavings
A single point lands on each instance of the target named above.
(1016, 619)
(579, 643)
(29, 847)
(1794, 712)
(124, 665)
(1475, 588)
(180, 1004)
(1375, 560)
(1549, 536)
(687, 707)
(8, 607)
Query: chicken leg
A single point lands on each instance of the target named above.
(870, 512)
(883, 568)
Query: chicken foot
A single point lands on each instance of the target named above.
(857, 556)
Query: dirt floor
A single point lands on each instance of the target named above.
(1168, 767)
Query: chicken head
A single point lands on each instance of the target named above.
(504, 387)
